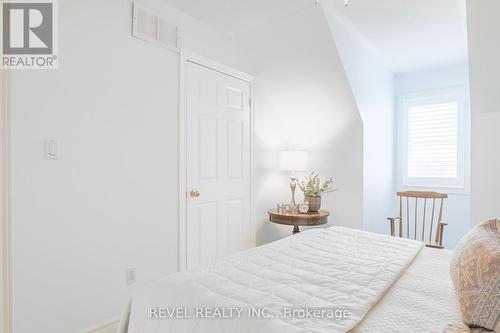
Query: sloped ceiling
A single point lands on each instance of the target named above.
(410, 35)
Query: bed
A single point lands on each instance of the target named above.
(321, 280)
(421, 300)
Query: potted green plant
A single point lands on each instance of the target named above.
(313, 189)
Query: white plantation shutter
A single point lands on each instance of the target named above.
(433, 138)
(433, 141)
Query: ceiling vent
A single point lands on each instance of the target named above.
(150, 27)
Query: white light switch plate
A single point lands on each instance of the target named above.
(51, 150)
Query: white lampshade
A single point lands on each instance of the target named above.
(293, 160)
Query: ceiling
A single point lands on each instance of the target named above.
(232, 16)
(411, 35)
(408, 35)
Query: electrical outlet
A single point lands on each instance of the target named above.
(131, 275)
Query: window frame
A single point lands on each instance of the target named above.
(458, 185)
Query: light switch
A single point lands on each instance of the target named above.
(51, 150)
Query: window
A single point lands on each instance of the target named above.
(433, 139)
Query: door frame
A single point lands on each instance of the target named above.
(5, 206)
(190, 57)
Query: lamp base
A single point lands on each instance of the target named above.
(293, 185)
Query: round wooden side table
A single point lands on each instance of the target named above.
(298, 219)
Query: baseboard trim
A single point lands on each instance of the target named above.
(106, 327)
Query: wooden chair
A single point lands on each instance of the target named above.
(405, 205)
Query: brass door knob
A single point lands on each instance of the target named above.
(194, 194)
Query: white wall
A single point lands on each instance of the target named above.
(110, 201)
(485, 166)
(437, 78)
(484, 69)
(4, 205)
(457, 207)
(373, 87)
(303, 101)
(484, 52)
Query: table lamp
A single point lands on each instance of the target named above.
(293, 160)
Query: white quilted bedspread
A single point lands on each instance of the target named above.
(335, 268)
(422, 300)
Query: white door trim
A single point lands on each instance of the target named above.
(5, 207)
(185, 57)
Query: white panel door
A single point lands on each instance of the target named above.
(218, 164)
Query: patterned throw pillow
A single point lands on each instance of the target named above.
(475, 272)
(462, 328)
